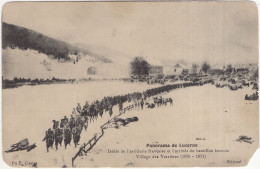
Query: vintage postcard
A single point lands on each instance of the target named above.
(129, 84)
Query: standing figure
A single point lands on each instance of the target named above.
(120, 106)
(63, 122)
(85, 109)
(101, 109)
(135, 104)
(76, 135)
(142, 104)
(79, 123)
(55, 124)
(85, 122)
(72, 122)
(58, 137)
(110, 110)
(73, 113)
(49, 137)
(79, 108)
(67, 136)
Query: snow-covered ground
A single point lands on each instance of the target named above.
(28, 112)
(38, 65)
(216, 114)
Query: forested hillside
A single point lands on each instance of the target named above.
(15, 36)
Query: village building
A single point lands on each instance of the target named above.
(241, 67)
(155, 67)
(252, 67)
(195, 70)
(180, 69)
(185, 72)
(216, 70)
(168, 72)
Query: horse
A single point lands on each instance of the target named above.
(157, 101)
(164, 101)
(171, 101)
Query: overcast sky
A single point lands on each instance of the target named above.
(194, 31)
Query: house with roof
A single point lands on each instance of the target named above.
(252, 67)
(195, 70)
(180, 69)
(241, 67)
(155, 67)
(216, 70)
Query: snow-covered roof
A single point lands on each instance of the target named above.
(153, 62)
(241, 66)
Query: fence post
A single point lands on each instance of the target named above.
(95, 137)
(72, 162)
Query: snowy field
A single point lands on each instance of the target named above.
(28, 112)
(216, 114)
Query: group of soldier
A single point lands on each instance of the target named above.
(66, 128)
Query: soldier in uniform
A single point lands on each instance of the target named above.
(73, 112)
(142, 104)
(96, 104)
(120, 106)
(67, 136)
(110, 110)
(49, 137)
(63, 122)
(101, 109)
(79, 108)
(76, 135)
(55, 124)
(72, 122)
(85, 122)
(58, 137)
(85, 109)
(79, 123)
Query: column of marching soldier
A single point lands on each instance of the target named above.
(67, 129)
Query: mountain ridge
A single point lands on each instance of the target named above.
(16, 36)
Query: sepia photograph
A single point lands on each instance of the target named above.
(129, 84)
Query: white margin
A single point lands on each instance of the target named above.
(254, 162)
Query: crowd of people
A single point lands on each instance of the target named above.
(70, 128)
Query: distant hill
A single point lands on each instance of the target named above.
(15, 36)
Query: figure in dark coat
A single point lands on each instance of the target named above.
(49, 137)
